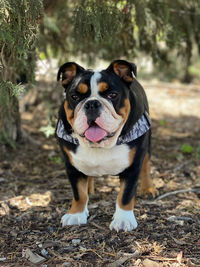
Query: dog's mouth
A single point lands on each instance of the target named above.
(96, 134)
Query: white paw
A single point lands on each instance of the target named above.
(123, 220)
(75, 219)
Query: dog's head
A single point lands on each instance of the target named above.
(97, 104)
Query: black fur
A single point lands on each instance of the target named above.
(72, 173)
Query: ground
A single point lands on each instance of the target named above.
(34, 192)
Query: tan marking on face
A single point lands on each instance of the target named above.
(132, 155)
(125, 110)
(91, 185)
(69, 113)
(128, 206)
(69, 74)
(145, 183)
(103, 86)
(82, 88)
(68, 154)
(79, 205)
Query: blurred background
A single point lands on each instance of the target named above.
(161, 36)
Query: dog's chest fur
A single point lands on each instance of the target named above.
(100, 161)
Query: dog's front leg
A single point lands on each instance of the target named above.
(78, 212)
(123, 218)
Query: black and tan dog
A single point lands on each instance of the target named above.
(104, 129)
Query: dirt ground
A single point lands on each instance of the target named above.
(34, 192)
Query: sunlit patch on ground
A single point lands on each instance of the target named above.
(22, 203)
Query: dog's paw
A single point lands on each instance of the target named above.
(75, 219)
(149, 191)
(123, 220)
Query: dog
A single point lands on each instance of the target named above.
(104, 129)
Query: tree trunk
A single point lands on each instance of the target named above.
(10, 122)
(188, 56)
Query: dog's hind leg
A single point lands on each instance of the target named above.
(145, 182)
(91, 185)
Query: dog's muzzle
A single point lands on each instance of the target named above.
(139, 128)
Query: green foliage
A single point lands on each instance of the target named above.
(8, 110)
(7, 91)
(18, 29)
(48, 130)
(18, 33)
(186, 148)
(17, 90)
(54, 39)
(194, 69)
(163, 123)
(57, 160)
(166, 30)
(50, 24)
(96, 20)
(198, 151)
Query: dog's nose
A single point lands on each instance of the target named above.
(92, 105)
(92, 110)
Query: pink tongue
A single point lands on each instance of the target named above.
(95, 134)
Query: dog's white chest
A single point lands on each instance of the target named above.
(101, 161)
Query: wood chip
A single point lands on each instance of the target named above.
(191, 264)
(122, 260)
(150, 263)
(33, 257)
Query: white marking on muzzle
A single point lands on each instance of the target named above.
(94, 84)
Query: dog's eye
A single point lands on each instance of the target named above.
(112, 95)
(75, 97)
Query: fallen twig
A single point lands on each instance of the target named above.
(92, 250)
(150, 202)
(177, 192)
(97, 226)
(110, 254)
(160, 258)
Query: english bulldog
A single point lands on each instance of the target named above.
(104, 129)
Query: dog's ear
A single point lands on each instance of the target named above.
(124, 69)
(69, 70)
